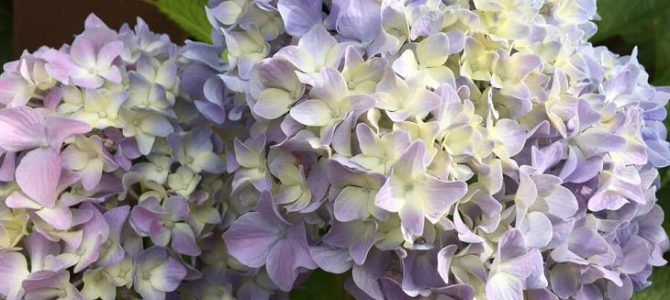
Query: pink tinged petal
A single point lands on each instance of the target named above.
(272, 103)
(360, 20)
(412, 219)
(22, 128)
(142, 220)
(536, 278)
(59, 65)
(385, 198)
(439, 75)
(511, 245)
(156, 125)
(112, 74)
(18, 200)
(58, 217)
(464, 232)
(562, 203)
(209, 162)
(330, 259)
(59, 129)
(510, 135)
(312, 113)
(183, 240)
(523, 64)
(411, 164)
(108, 53)
(317, 42)
(212, 111)
(444, 258)
(438, 196)
(586, 242)
(226, 12)
(504, 287)
(250, 238)
(368, 140)
(7, 166)
(406, 65)
(73, 159)
(537, 230)
(298, 57)
(38, 173)
(44, 284)
(367, 283)
(636, 255)
(145, 142)
(13, 270)
(91, 175)
(90, 251)
(177, 208)
(360, 236)
(83, 52)
(341, 140)
(281, 266)
(168, 275)
(564, 279)
(351, 204)
(359, 103)
(287, 256)
(424, 102)
(299, 16)
(433, 51)
(87, 80)
(329, 86)
(593, 143)
(159, 235)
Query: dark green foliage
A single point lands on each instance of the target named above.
(322, 286)
(188, 14)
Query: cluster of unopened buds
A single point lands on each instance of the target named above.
(430, 149)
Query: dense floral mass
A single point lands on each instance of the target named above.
(435, 149)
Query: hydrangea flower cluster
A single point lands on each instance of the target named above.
(108, 176)
(433, 149)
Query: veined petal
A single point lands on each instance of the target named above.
(433, 51)
(312, 113)
(299, 16)
(38, 173)
(273, 103)
(108, 53)
(503, 286)
(183, 240)
(250, 239)
(438, 196)
(22, 128)
(59, 217)
(167, 276)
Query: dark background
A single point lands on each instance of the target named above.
(29, 24)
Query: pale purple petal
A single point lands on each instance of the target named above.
(38, 173)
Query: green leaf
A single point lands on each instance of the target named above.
(622, 15)
(188, 14)
(323, 286)
(660, 289)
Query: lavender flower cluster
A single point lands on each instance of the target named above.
(437, 149)
(110, 178)
(434, 149)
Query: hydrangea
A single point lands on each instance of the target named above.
(426, 149)
(433, 149)
(109, 186)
